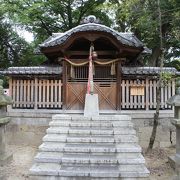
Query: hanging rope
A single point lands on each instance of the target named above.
(84, 63)
(113, 68)
(93, 68)
(72, 73)
(106, 63)
(74, 64)
(90, 85)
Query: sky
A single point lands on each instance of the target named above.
(25, 34)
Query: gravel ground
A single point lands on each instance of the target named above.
(22, 161)
(157, 163)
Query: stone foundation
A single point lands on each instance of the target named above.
(29, 128)
(30, 135)
(166, 135)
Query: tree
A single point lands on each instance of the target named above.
(155, 22)
(141, 17)
(43, 17)
(175, 63)
(14, 50)
(159, 84)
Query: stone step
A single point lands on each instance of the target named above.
(95, 118)
(101, 147)
(52, 157)
(86, 119)
(90, 124)
(94, 171)
(48, 169)
(61, 117)
(91, 131)
(112, 118)
(103, 159)
(93, 148)
(90, 171)
(133, 171)
(90, 139)
(89, 158)
(97, 171)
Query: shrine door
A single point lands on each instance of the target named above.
(104, 85)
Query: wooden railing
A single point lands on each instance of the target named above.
(147, 98)
(36, 93)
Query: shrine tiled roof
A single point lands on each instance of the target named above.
(125, 38)
(128, 39)
(147, 70)
(44, 70)
(57, 70)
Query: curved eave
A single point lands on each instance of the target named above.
(128, 39)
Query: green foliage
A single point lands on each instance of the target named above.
(5, 81)
(166, 77)
(13, 49)
(48, 16)
(141, 17)
(43, 17)
(175, 63)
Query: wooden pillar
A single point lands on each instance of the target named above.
(9, 107)
(64, 79)
(147, 93)
(10, 86)
(118, 85)
(36, 93)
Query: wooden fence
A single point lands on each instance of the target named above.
(146, 97)
(36, 93)
(46, 94)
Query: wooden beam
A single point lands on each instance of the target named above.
(100, 60)
(71, 53)
(118, 86)
(9, 107)
(64, 76)
(36, 93)
(125, 50)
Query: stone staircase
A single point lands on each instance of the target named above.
(77, 147)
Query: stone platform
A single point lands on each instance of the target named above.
(78, 147)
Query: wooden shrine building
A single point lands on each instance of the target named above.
(61, 82)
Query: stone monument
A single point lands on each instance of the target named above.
(4, 101)
(175, 101)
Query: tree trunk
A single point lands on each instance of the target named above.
(156, 117)
(155, 56)
(69, 13)
(159, 85)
